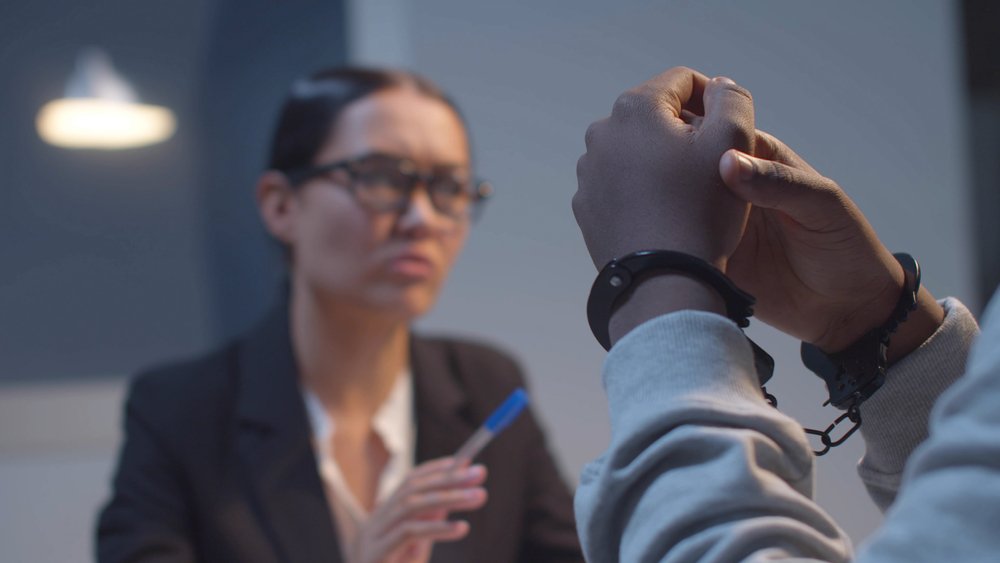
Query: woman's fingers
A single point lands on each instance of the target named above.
(439, 503)
(442, 473)
(433, 466)
(412, 531)
(452, 477)
(445, 488)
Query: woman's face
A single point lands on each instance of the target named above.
(391, 262)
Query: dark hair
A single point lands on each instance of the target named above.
(314, 103)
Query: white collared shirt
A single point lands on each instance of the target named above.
(394, 424)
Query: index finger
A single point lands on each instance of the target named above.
(433, 466)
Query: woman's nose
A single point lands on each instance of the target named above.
(420, 213)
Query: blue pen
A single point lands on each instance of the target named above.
(500, 419)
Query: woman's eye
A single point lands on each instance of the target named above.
(449, 186)
(382, 178)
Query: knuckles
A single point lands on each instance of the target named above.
(646, 98)
(737, 89)
(742, 136)
(631, 103)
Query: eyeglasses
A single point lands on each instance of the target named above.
(383, 183)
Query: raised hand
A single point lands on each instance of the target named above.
(649, 180)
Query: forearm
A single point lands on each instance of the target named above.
(699, 466)
(659, 295)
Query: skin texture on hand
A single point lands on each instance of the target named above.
(650, 181)
(404, 527)
(812, 260)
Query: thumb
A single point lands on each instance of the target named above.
(728, 114)
(809, 198)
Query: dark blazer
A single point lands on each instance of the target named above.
(218, 465)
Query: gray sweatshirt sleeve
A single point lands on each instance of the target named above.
(894, 420)
(700, 468)
(948, 508)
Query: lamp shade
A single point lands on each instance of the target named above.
(100, 110)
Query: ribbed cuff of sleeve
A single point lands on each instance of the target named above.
(895, 418)
(686, 355)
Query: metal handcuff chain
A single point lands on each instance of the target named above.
(857, 372)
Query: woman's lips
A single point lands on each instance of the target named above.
(412, 266)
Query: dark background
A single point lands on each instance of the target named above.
(981, 19)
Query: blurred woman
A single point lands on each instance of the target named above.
(326, 432)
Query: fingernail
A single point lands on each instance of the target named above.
(726, 81)
(473, 471)
(746, 167)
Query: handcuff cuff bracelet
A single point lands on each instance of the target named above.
(855, 373)
(617, 279)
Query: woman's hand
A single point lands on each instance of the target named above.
(404, 527)
(809, 256)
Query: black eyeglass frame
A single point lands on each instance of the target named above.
(479, 190)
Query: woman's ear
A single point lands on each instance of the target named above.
(276, 205)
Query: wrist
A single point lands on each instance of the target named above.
(919, 326)
(660, 294)
(854, 373)
(920, 322)
(860, 318)
(617, 281)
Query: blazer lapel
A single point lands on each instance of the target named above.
(444, 422)
(274, 442)
(441, 404)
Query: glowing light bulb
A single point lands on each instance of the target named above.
(101, 111)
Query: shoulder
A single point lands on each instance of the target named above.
(182, 377)
(186, 394)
